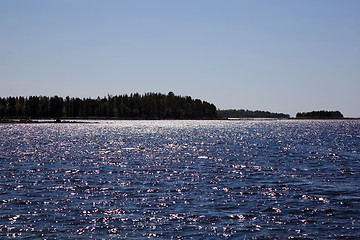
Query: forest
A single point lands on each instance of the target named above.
(232, 113)
(320, 115)
(133, 106)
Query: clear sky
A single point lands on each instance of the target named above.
(279, 56)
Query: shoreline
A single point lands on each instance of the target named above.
(93, 120)
(30, 121)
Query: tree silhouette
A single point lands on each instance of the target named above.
(135, 106)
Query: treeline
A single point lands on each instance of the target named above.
(134, 106)
(232, 113)
(320, 115)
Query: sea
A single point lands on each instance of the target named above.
(181, 179)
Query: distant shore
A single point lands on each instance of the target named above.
(94, 120)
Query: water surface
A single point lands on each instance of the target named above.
(180, 180)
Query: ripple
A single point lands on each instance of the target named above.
(181, 179)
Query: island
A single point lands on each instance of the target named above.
(320, 115)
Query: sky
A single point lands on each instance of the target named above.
(279, 56)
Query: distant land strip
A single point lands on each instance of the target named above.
(134, 106)
(232, 113)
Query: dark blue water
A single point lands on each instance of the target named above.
(180, 180)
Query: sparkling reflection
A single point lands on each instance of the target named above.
(181, 179)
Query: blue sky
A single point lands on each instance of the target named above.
(279, 55)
